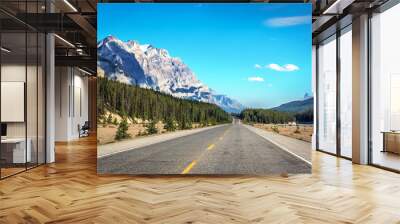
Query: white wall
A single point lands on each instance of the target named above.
(33, 126)
(16, 73)
(13, 99)
(12, 73)
(71, 94)
(80, 110)
(62, 82)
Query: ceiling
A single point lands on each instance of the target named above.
(75, 22)
(330, 15)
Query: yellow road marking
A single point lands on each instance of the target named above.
(210, 146)
(188, 168)
(193, 163)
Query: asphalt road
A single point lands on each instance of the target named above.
(229, 149)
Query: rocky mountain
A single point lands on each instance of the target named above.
(298, 105)
(150, 67)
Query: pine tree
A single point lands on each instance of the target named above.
(115, 121)
(266, 116)
(185, 123)
(147, 104)
(151, 128)
(170, 124)
(109, 119)
(122, 131)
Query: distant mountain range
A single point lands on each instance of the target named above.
(297, 106)
(149, 67)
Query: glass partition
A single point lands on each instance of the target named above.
(14, 153)
(22, 88)
(385, 89)
(327, 95)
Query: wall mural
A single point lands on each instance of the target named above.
(204, 89)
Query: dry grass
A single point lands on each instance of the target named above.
(106, 133)
(302, 132)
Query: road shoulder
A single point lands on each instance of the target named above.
(298, 148)
(126, 145)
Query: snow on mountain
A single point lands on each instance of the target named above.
(149, 67)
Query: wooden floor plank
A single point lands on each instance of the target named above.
(70, 191)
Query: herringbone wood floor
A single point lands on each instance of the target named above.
(69, 191)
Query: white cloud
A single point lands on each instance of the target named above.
(255, 79)
(284, 68)
(257, 66)
(288, 21)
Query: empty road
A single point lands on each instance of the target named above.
(229, 149)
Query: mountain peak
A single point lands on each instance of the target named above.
(296, 105)
(150, 67)
(109, 37)
(307, 96)
(105, 40)
(145, 47)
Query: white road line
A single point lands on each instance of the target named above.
(280, 146)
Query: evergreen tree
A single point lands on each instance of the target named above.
(109, 119)
(267, 116)
(305, 116)
(122, 131)
(136, 102)
(185, 123)
(169, 124)
(115, 121)
(151, 127)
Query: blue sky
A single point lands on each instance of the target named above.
(258, 54)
